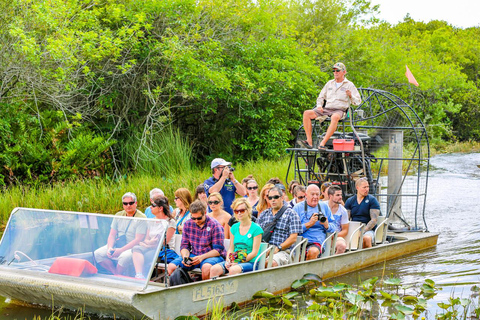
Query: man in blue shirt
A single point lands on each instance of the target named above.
(224, 182)
(315, 216)
(364, 208)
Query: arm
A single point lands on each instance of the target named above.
(170, 234)
(355, 98)
(217, 187)
(374, 213)
(111, 239)
(138, 237)
(217, 246)
(344, 231)
(228, 234)
(288, 242)
(256, 246)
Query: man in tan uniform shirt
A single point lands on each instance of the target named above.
(338, 93)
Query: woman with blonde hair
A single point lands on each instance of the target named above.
(215, 202)
(245, 240)
(183, 199)
(263, 203)
(252, 195)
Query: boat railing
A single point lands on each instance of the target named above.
(297, 253)
(381, 231)
(265, 250)
(328, 245)
(355, 235)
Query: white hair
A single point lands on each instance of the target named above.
(130, 195)
(155, 191)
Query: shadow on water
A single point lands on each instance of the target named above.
(454, 264)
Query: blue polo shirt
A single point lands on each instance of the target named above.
(317, 233)
(361, 211)
(228, 192)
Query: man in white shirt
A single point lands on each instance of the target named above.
(338, 94)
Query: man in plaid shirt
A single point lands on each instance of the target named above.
(286, 230)
(202, 242)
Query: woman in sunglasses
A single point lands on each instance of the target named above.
(147, 248)
(299, 193)
(252, 195)
(245, 240)
(183, 199)
(263, 203)
(215, 202)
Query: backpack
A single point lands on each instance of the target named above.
(180, 276)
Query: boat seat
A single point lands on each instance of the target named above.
(328, 245)
(381, 231)
(265, 250)
(355, 235)
(297, 253)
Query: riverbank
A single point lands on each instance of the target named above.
(103, 195)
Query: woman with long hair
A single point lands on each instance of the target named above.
(145, 249)
(263, 203)
(200, 194)
(245, 240)
(215, 202)
(183, 199)
(252, 195)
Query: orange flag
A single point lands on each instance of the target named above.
(410, 77)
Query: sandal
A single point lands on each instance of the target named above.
(322, 148)
(305, 144)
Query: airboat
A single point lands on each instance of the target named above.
(47, 256)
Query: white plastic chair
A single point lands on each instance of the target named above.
(328, 245)
(259, 263)
(297, 254)
(381, 231)
(355, 235)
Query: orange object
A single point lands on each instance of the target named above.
(72, 267)
(348, 145)
(338, 144)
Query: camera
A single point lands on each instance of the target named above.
(231, 168)
(187, 260)
(321, 217)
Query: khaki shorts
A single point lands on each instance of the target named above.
(329, 112)
(282, 258)
(124, 259)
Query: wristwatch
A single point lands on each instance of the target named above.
(279, 247)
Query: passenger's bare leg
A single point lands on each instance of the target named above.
(367, 242)
(331, 128)
(138, 261)
(108, 265)
(340, 247)
(170, 268)
(206, 271)
(312, 253)
(216, 271)
(308, 116)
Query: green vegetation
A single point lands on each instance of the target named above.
(101, 89)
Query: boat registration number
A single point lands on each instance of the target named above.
(214, 290)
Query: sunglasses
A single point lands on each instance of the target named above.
(239, 211)
(301, 197)
(176, 198)
(252, 188)
(274, 197)
(213, 202)
(199, 218)
(129, 203)
(336, 70)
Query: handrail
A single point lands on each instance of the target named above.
(360, 237)
(383, 225)
(303, 242)
(332, 238)
(264, 252)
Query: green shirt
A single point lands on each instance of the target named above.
(245, 242)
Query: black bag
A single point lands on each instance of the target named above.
(179, 276)
(270, 228)
(121, 241)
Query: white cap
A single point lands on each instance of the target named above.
(219, 162)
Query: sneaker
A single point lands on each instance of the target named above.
(305, 144)
(139, 276)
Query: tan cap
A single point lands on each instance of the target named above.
(340, 66)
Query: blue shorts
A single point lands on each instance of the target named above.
(211, 261)
(246, 267)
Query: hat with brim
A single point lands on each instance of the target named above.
(340, 66)
(219, 162)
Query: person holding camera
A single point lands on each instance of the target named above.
(202, 242)
(124, 234)
(315, 216)
(223, 181)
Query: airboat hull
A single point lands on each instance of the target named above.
(158, 302)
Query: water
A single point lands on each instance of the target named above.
(452, 210)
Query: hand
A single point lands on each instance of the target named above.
(197, 260)
(319, 109)
(143, 244)
(228, 265)
(349, 93)
(225, 172)
(114, 253)
(186, 261)
(313, 220)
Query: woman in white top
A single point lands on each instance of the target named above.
(155, 234)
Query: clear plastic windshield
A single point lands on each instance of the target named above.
(111, 250)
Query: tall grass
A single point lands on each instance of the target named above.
(104, 195)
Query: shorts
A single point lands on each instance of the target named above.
(371, 234)
(149, 252)
(314, 244)
(124, 259)
(329, 112)
(246, 267)
(282, 258)
(212, 261)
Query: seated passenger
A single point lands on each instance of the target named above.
(287, 228)
(337, 94)
(263, 203)
(314, 216)
(202, 242)
(252, 195)
(215, 202)
(154, 192)
(183, 199)
(292, 185)
(200, 194)
(340, 216)
(147, 248)
(298, 195)
(245, 240)
(116, 255)
(364, 208)
(324, 189)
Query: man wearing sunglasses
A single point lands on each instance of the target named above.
(124, 234)
(286, 230)
(334, 100)
(224, 182)
(202, 242)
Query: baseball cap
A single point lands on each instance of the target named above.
(219, 162)
(339, 66)
(281, 186)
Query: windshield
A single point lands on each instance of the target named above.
(111, 250)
